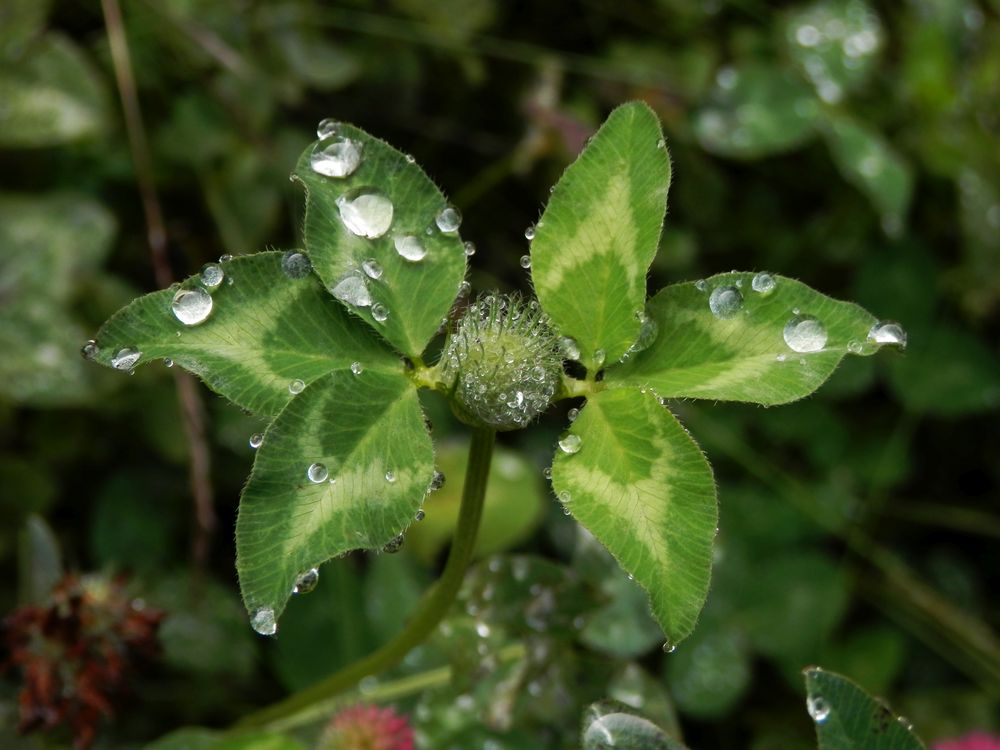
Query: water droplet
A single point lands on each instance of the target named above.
(547, 472)
(482, 629)
(598, 358)
(338, 157)
(366, 212)
(420, 515)
(296, 265)
(804, 333)
(212, 275)
(662, 143)
(410, 158)
(437, 481)
(469, 248)
(327, 126)
(907, 724)
(89, 350)
(167, 362)
(668, 647)
(372, 269)
(262, 620)
(525, 261)
(780, 358)
(763, 283)
(353, 290)
(410, 248)
(394, 545)
(529, 233)
(569, 347)
(256, 440)
(888, 332)
(464, 288)
(317, 473)
(225, 257)
(449, 219)
(725, 301)
(565, 498)
(570, 444)
(854, 346)
(572, 414)
(126, 358)
(357, 368)
(818, 708)
(296, 387)
(380, 313)
(192, 306)
(390, 476)
(701, 285)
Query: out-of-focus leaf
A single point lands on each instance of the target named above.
(244, 200)
(873, 657)
(133, 526)
(756, 111)
(608, 725)
(20, 20)
(638, 689)
(392, 588)
(39, 563)
(513, 506)
(710, 672)
(51, 95)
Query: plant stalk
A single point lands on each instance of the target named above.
(431, 610)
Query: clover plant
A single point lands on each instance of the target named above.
(329, 342)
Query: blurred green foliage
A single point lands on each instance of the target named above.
(850, 143)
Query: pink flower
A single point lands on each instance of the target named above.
(971, 741)
(367, 727)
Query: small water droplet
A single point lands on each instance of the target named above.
(449, 219)
(569, 348)
(353, 290)
(410, 158)
(529, 233)
(380, 312)
(317, 473)
(907, 724)
(464, 288)
(372, 269)
(565, 498)
(167, 362)
(763, 283)
(818, 708)
(225, 257)
(854, 346)
(804, 333)
(327, 126)
(888, 332)
(598, 358)
(410, 248)
(89, 350)
(437, 481)
(262, 620)
(572, 414)
(366, 212)
(296, 265)
(469, 248)
(780, 358)
(668, 647)
(306, 582)
(212, 275)
(126, 358)
(336, 157)
(420, 515)
(192, 306)
(296, 387)
(570, 444)
(547, 472)
(256, 440)
(725, 301)
(357, 368)
(390, 476)
(701, 285)
(525, 261)
(394, 545)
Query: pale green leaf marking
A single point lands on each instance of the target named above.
(416, 294)
(847, 718)
(642, 487)
(744, 357)
(265, 330)
(600, 231)
(359, 427)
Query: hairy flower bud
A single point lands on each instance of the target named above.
(502, 363)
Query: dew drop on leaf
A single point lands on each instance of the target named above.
(525, 261)
(394, 545)
(317, 473)
(763, 283)
(529, 233)
(372, 269)
(262, 620)
(449, 219)
(725, 301)
(212, 275)
(327, 126)
(390, 476)
(380, 313)
(888, 332)
(469, 248)
(410, 248)
(818, 708)
(701, 285)
(306, 582)
(804, 333)
(296, 387)
(192, 306)
(357, 368)
(366, 213)
(420, 515)
(167, 362)
(572, 414)
(126, 358)
(571, 444)
(296, 265)
(437, 481)
(336, 157)
(353, 290)
(256, 440)
(569, 348)
(89, 350)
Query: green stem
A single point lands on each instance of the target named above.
(431, 611)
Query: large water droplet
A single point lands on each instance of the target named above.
(410, 248)
(296, 265)
(818, 708)
(888, 332)
(296, 387)
(126, 358)
(449, 219)
(725, 301)
(262, 620)
(353, 290)
(763, 283)
(571, 444)
(804, 333)
(338, 157)
(380, 312)
(372, 269)
(366, 213)
(570, 349)
(306, 582)
(212, 275)
(192, 306)
(317, 473)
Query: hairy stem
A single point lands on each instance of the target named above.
(431, 610)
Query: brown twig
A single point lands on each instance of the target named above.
(192, 409)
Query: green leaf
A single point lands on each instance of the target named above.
(640, 484)
(711, 673)
(847, 718)
(756, 111)
(265, 330)
(368, 433)
(746, 356)
(196, 738)
(608, 724)
(599, 233)
(39, 561)
(51, 95)
(416, 294)
(867, 161)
